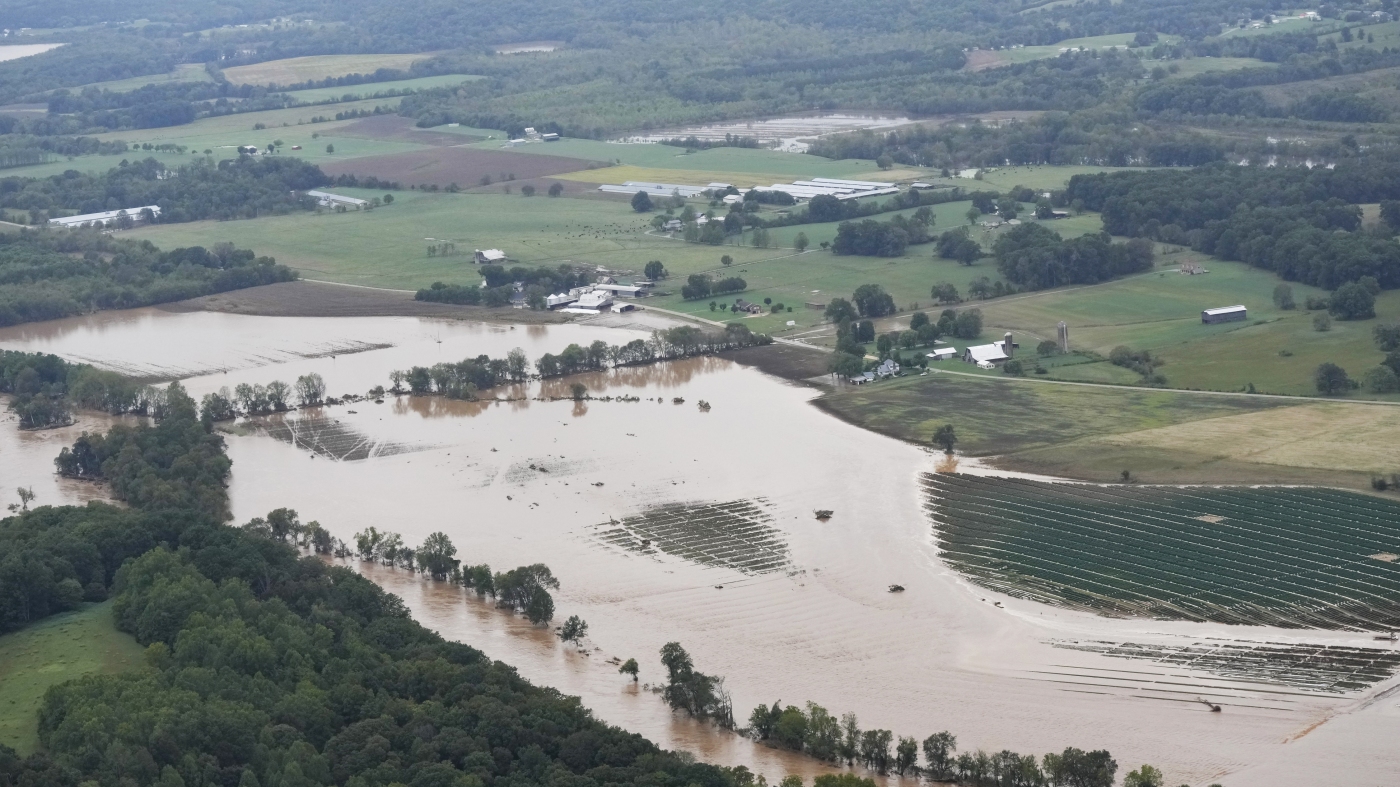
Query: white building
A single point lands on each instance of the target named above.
(942, 353)
(328, 200)
(597, 299)
(486, 256)
(105, 218)
(985, 353)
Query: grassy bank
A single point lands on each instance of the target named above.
(53, 651)
(1158, 436)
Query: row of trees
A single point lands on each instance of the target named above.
(231, 189)
(820, 734)
(462, 380)
(45, 276)
(699, 286)
(256, 399)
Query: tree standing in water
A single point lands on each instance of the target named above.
(945, 438)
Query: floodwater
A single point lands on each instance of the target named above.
(734, 566)
(17, 51)
(788, 134)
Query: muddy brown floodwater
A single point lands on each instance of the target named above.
(666, 522)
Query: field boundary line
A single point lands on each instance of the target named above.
(1284, 397)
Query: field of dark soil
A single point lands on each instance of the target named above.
(444, 166)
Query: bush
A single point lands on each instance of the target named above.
(1382, 379)
(1283, 297)
(1047, 347)
(1332, 379)
(1313, 303)
(1321, 322)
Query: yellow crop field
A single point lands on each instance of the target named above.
(1331, 436)
(295, 70)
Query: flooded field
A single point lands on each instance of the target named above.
(664, 521)
(787, 134)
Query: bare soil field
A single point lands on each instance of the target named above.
(463, 166)
(321, 299)
(782, 360)
(394, 128)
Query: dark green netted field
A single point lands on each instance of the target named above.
(1298, 558)
(737, 534)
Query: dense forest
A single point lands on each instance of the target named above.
(45, 276)
(265, 667)
(232, 189)
(1302, 223)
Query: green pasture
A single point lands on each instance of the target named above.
(1383, 35)
(1194, 66)
(50, 652)
(185, 72)
(1274, 349)
(1035, 176)
(357, 92)
(997, 415)
(1291, 25)
(293, 126)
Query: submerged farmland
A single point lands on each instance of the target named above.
(1288, 557)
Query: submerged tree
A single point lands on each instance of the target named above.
(700, 695)
(573, 630)
(630, 667)
(437, 556)
(944, 438)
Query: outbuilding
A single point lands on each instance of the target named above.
(942, 353)
(1224, 314)
(106, 218)
(487, 256)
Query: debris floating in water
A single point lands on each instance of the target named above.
(896, 588)
(823, 513)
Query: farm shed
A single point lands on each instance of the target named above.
(104, 218)
(486, 256)
(985, 353)
(1224, 314)
(328, 200)
(942, 353)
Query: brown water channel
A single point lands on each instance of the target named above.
(735, 567)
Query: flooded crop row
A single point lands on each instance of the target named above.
(783, 605)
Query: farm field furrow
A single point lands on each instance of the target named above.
(1283, 557)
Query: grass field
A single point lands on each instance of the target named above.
(50, 652)
(994, 415)
(295, 70)
(1194, 66)
(1275, 350)
(981, 59)
(185, 72)
(356, 92)
(1035, 176)
(1296, 558)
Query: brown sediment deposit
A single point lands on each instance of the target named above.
(941, 655)
(323, 299)
(784, 360)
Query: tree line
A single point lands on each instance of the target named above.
(466, 378)
(1301, 223)
(45, 276)
(820, 734)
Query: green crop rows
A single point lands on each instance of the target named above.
(1325, 668)
(1297, 558)
(736, 535)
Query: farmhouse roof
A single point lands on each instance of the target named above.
(1224, 310)
(986, 353)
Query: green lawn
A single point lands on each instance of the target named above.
(50, 652)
